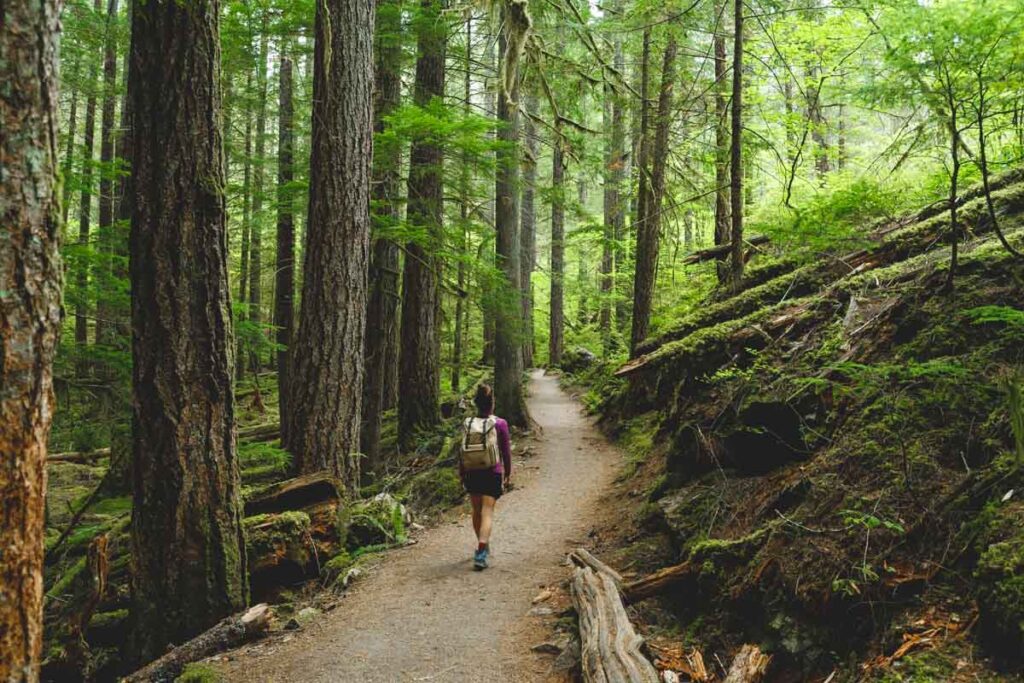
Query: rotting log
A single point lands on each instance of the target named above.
(748, 666)
(228, 633)
(296, 494)
(610, 647)
(722, 250)
(80, 457)
(582, 557)
(259, 433)
(658, 582)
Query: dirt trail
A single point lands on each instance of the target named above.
(424, 615)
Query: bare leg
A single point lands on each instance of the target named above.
(477, 502)
(486, 518)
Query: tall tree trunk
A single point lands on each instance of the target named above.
(419, 369)
(618, 177)
(256, 229)
(508, 368)
(736, 150)
(954, 180)
(30, 317)
(487, 300)
(557, 315)
(188, 551)
(325, 396)
(105, 313)
(528, 229)
(382, 304)
(649, 234)
(722, 199)
(72, 129)
(610, 199)
(463, 245)
(243, 276)
(284, 271)
(85, 211)
(643, 160)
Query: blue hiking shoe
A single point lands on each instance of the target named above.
(480, 559)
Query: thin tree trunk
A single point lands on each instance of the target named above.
(557, 315)
(284, 271)
(722, 228)
(464, 189)
(30, 318)
(105, 225)
(649, 234)
(508, 369)
(610, 199)
(382, 304)
(243, 276)
(188, 550)
(736, 156)
(85, 212)
(69, 153)
(954, 179)
(256, 229)
(419, 370)
(643, 161)
(618, 177)
(325, 398)
(528, 229)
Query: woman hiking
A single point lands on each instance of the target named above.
(485, 465)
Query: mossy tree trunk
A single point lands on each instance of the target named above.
(382, 302)
(189, 563)
(105, 312)
(528, 230)
(721, 137)
(508, 357)
(419, 370)
(736, 150)
(30, 317)
(258, 172)
(325, 396)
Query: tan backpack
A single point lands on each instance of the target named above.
(479, 444)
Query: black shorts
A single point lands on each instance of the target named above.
(483, 483)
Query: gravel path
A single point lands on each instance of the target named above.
(425, 615)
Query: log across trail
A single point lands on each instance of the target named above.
(424, 615)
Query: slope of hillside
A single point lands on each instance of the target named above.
(834, 454)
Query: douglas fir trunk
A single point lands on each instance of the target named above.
(325, 397)
(188, 552)
(30, 315)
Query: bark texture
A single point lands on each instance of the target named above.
(648, 235)
(325, 397)
(105, 224)
(189, 564)
(736, 150)
(30, 316)
(528, 229)
(722, 231)
(284, 272)
(419, 370)
(557, 317)
(85, 210)
(508, 333)
(383, 298)
(256, 229)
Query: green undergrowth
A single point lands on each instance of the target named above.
(843, 460)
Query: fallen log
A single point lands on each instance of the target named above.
(582, 557)
(79, 456)
(229, 633)
(722, 250)
(748, 666)
(658, 582)
(610, 647)
(296, 494)
(260, 433)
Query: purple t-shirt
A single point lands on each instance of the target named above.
(504, 465)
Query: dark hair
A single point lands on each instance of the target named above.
(484, 400)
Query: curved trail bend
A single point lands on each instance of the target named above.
(424, 615)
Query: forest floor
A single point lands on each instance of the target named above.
(423, 614)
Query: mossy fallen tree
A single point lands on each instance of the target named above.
(228, 633)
